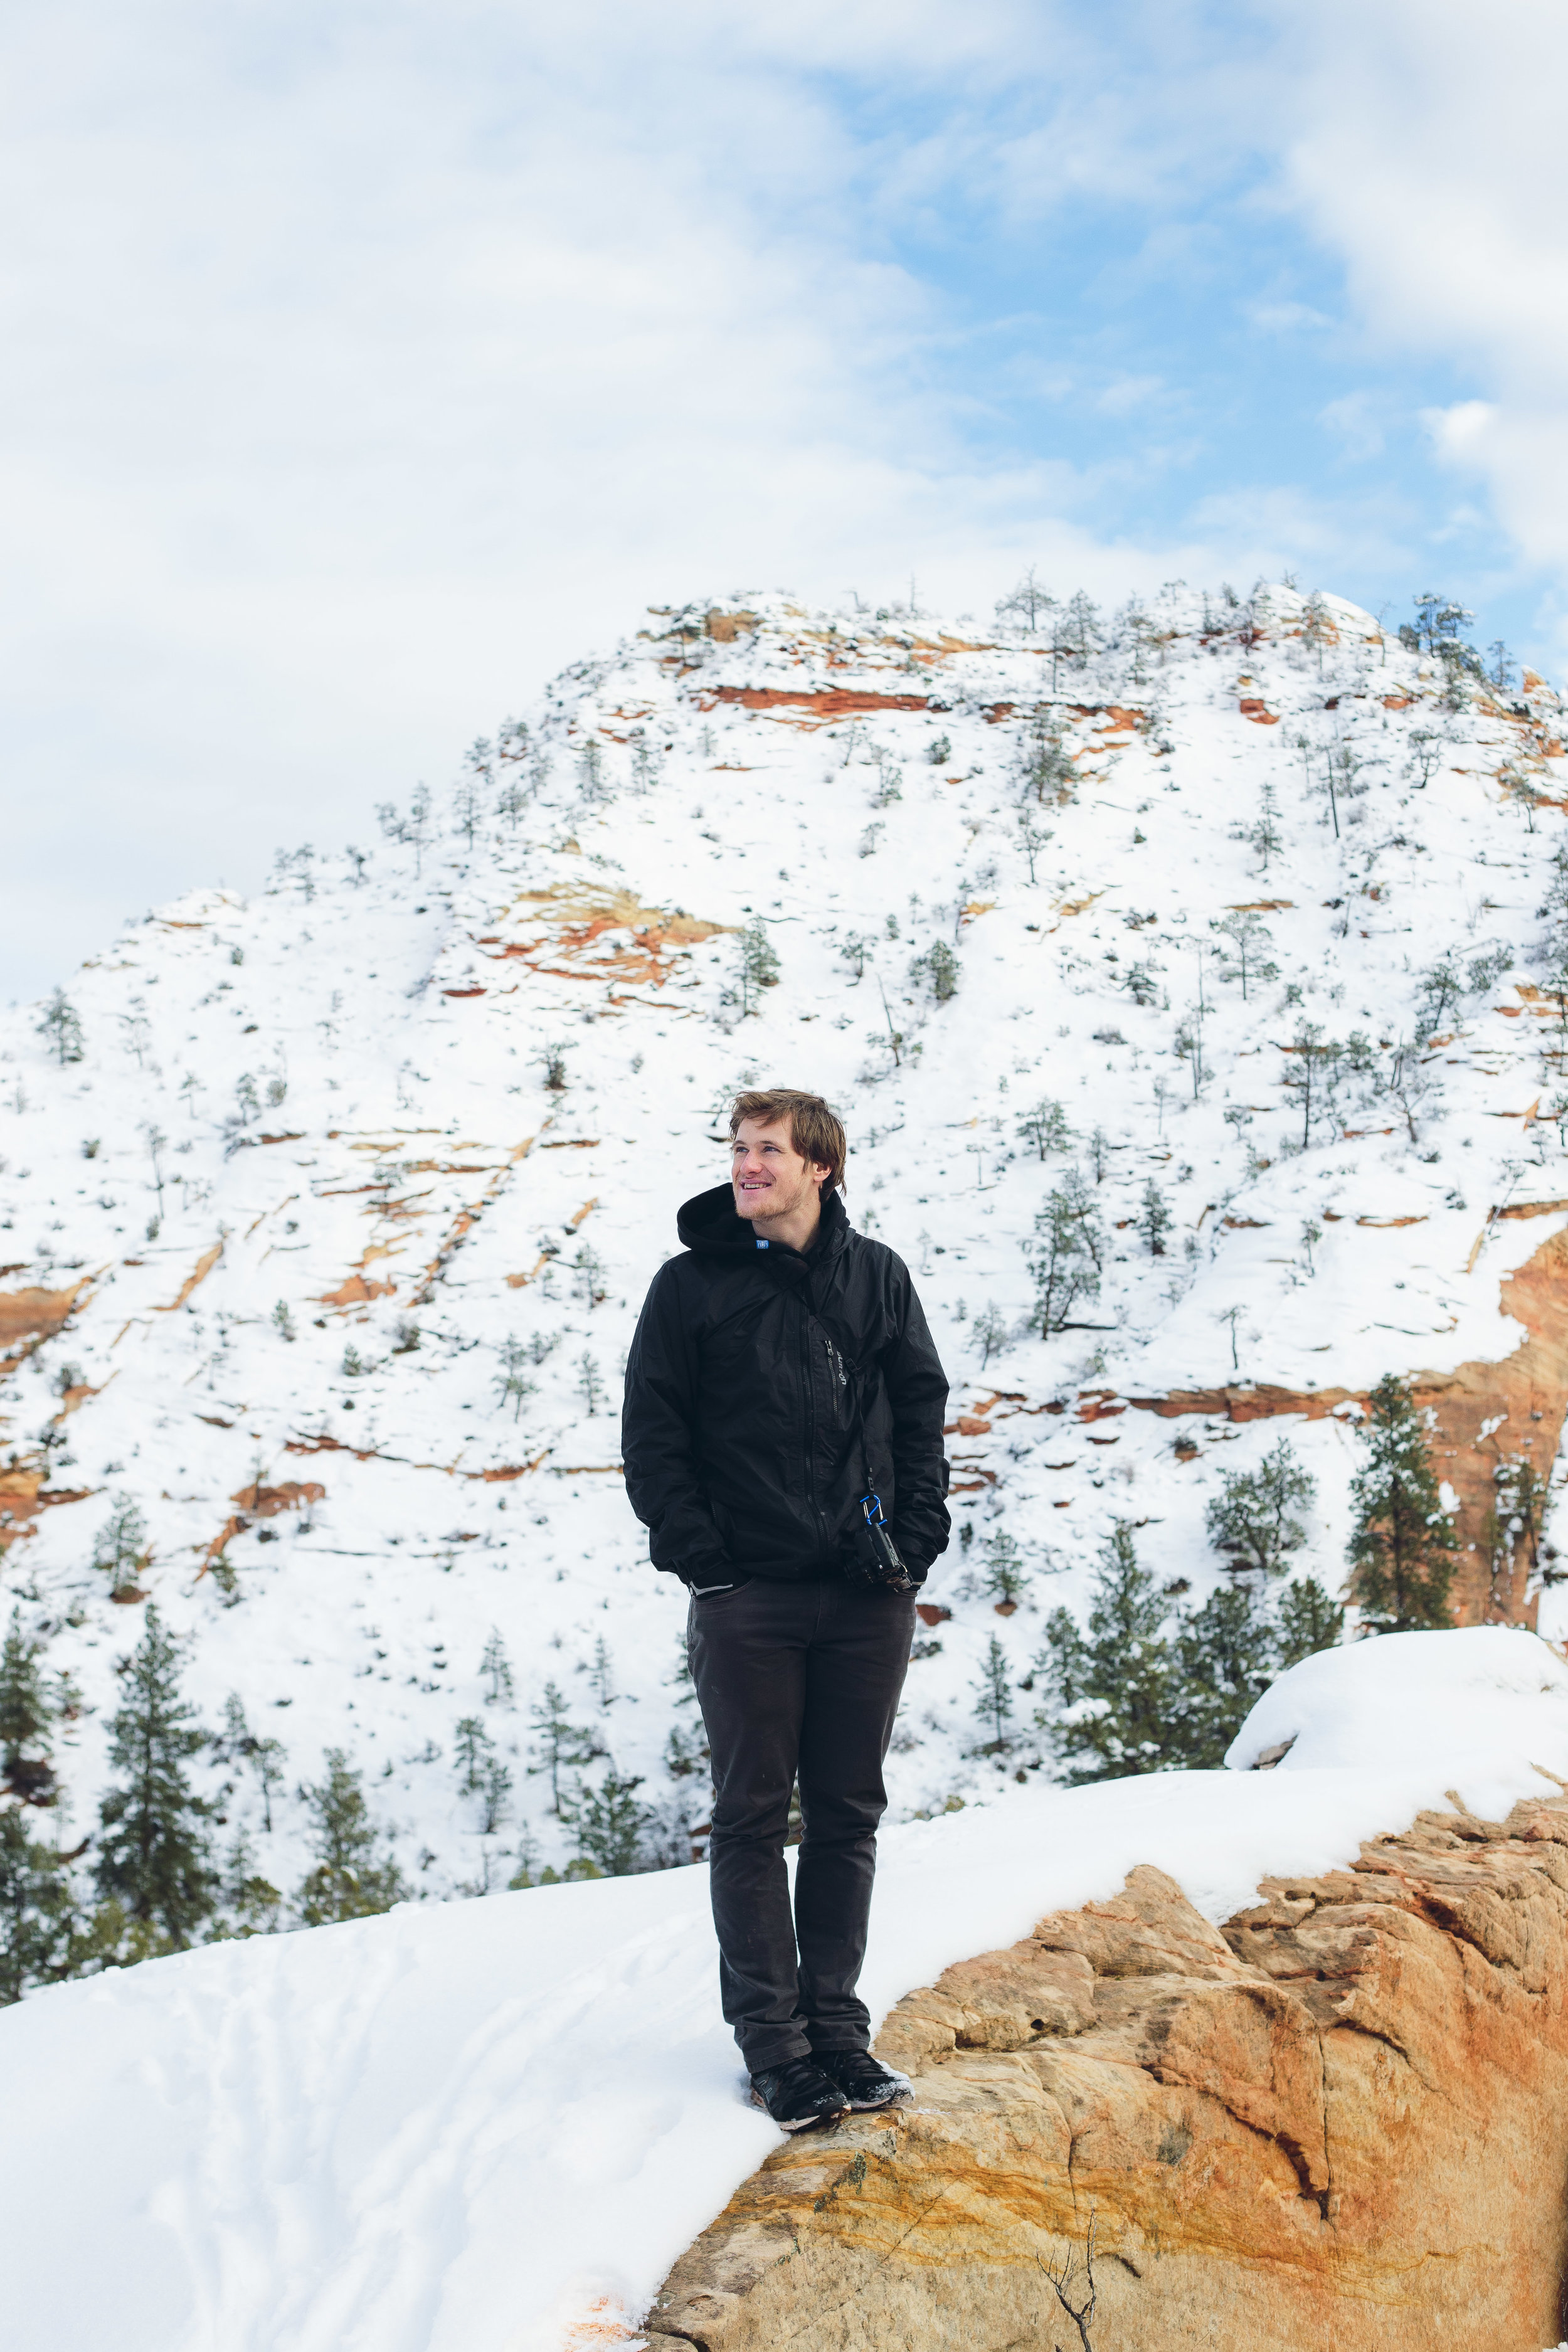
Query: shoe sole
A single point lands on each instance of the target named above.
(805, 2121)
(900, 2098)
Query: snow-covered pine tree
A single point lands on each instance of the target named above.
(1004, 1576)
(1401, 1550)
(1154, 1220)
(559, 1743)
(351, 1879)
(1251, 1517)
(1115, 1686)
(758, 964)
(61, 1026)
(994, 1695)
(154, 1858)
(1065, 1254)
(496, 1668)
(1045, 1128)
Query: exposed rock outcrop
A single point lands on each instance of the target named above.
(1485, 1412)
(1342, 2122)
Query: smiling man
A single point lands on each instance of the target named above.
(782, 1445)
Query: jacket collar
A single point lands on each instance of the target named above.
(709, 1226)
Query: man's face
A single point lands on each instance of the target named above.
(769, 1176)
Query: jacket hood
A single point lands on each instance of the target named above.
(709, 1224)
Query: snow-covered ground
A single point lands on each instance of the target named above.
(346, 1080)
(490, 2126)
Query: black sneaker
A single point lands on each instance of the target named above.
(797, 2094)
(863, 2080)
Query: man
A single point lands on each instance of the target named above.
(781, 1378)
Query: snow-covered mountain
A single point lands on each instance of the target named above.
(324, 1255)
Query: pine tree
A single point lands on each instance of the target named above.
(120, 1550)
(251, 1903)
(494, 1794)
(24, 1709)
(154, 1855)
(1311, 1074)
(1512, 1529)
(1005, 1577)
(758, 964)
(1250, 940)
(1309, 1621)
(994, 1695)
(1034, 838)
(1251, 1517)
(511, 1380)
(1153, 1218)
(62, 1028)
(559, 1743)
(1045, 1127)
(609, 1823)
(1027, 604)
(989, 1331)
(265, 1757)
(39, 1913)
(1083, 630)
(1046, 771)
(1065, 1254)
(349, 1882)
(1227, 1654)
(1265, 838)
(474, 1747)
(1115, 1687)
(496, 1668)
(1401, 1549)
(939, 966)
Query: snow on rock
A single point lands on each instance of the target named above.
(1480, 1702)
(490, 2126)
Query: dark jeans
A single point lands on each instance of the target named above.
(796, 1679)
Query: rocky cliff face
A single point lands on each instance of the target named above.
(1343, 2120)
(1525, 1393)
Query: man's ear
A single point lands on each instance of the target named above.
(821, 1170)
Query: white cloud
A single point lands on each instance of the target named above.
(1438, 169)
(1286, 318)
(363, 365)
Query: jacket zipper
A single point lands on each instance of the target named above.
(807, 1322)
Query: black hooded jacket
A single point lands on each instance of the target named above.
(751, 1370)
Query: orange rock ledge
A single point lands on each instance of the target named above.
(1341, 2123)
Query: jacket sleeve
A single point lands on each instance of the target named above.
(917, 1391)
(658, 1445)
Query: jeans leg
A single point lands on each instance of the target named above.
(854, 1677)
(748, 1650)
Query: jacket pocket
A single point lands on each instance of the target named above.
(720, 1592)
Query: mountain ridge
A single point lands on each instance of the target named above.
(462, 1082)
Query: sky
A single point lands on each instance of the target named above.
(367, 360)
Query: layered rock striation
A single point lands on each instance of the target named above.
(1342, 2121)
